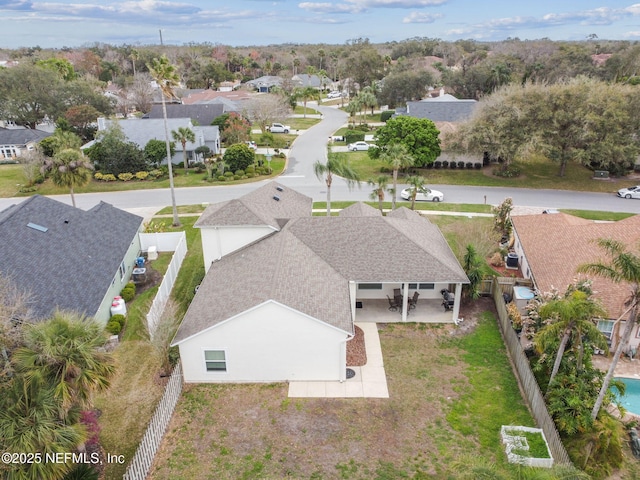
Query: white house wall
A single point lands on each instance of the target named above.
(220, 241)
(270, 343)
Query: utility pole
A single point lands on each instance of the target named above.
(160, 30)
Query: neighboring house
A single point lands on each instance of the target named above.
(283, 288)
(15, 142)
(200, 114)
(550, 248)
(229, 86)
(305, 80)
(444, 108)
(265, 83)
(68, 258)
(140, 131)
(232, 100)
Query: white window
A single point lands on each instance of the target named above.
(369, 286)
(215, 360)
(606, 327)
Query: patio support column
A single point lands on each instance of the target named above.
(405, 301)
(352, 297)
(456, 303)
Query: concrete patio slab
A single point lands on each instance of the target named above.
(370, 380)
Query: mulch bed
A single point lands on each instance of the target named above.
(356, 351)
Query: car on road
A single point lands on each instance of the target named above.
(359, 146)
(631, 192)
(279, 128)
(251, 144)
(335, 94)
(424, 195)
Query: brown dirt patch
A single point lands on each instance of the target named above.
(152, 278)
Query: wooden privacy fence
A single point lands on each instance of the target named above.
(160, 300)
(143, 458)
(522, 370)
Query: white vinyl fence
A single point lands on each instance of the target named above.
(143, 458)
(176, 242)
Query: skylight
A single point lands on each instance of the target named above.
(35, 226)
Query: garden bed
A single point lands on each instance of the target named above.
(526, 446)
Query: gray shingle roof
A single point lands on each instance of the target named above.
(440, 109)
(21, 136)
(258, 208)
(203, 114)
(279, 268)
(360, 209)
(72, 264)
(140, 131)
(308, 262)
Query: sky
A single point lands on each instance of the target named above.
(60, 23)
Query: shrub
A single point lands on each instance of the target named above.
(125, 177)
(128, 292)
(386, 115)
(250, 175)
(453, 165)
(238, 156)
(460, 164)
(437, 164)
(445, 163)
(507, 171)
(496, 260)
(477, 165)
(469, 165)
(113, 327)
(228, 174)
(250, 169)
(121, 319)
(98, 176)
(351, 137)
(142, 175)
(238, 173)
(156, 173)
(221, 178)
(236, 177)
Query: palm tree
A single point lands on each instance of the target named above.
(572, 319)
(166, 76)
(69, 168)
(336, 164)
(381, 183)
(368, 98)
(623, 267)
(306, 94)
(184, 135)
(416, 183)
(65, 354)
(396, 156)
(472, 265)
(30, 422)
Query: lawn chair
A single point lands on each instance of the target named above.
(413, 301)
(393, 305)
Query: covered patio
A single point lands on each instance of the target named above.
(427, 311)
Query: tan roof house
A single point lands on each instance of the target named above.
(550, 248)
(283, 288)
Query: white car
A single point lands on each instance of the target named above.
(251, 144)
(334, 94)
(424, 195)
(359, 146)
(631, 192)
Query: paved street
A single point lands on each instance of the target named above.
(311, 146)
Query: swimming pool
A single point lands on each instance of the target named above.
(631, 399)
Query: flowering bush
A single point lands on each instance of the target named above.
(125, 177)
(142, 175)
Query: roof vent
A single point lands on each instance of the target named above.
(35, 226)
(280, 189)
(276, 198)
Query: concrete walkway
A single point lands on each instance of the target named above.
(370, 380)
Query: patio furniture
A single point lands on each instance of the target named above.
(448, 299)
(413, 301)
(393, 304)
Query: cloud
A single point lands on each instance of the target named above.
(359, 6)
(595, 17)
(419, 17)
(15, 5)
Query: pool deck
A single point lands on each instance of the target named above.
(625, 367)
